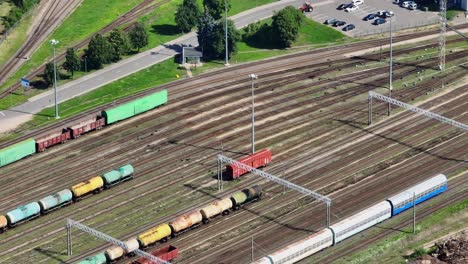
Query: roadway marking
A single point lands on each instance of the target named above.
(2, 113)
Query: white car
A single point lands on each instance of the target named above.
(352, 8)
(406, 4)
(358, 2)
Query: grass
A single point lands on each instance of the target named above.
(89, 17)
(16, 38)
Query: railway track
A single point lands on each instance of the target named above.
(164, 157)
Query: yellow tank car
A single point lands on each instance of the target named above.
(88, 186)
(155, 234)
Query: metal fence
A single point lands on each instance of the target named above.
(396, 26)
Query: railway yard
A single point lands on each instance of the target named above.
(311, 112)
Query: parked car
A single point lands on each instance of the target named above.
(379, 21)
(385, 14)
(349, 27)
(413, 6)
(358, 2)
(406, 4)
(339, 23)
(352, 8)
(342, 6)
(397, 2)
(370, 16)
(330, 21)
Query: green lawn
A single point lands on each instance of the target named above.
(89, 17)
(15, 38)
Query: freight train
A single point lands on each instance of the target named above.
(179, 225)
(106, 117)
(65, 197)
(358, 222)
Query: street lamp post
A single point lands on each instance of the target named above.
(54, 42)
(391, 67)
(226, 34)
(253, 77)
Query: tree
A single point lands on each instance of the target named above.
(99, 52)
(216, 7)
(119, 42)
(211, 37)
(187, 15)
(286, 24)
(49, 73)
(205, 34)
(72, 62)
(138, 36)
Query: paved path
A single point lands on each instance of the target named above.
(10, 119)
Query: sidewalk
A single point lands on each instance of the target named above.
(10, 119)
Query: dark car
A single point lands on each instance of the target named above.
(369, 17)
(349, 27)
(379, 21)
(343, 6)
(339, 23)
(330, 21)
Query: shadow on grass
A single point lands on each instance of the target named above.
(51, 254)
(166, 30)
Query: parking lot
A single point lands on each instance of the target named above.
(403, 18)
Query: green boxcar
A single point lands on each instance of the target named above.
(135, 107)
(96, 259)
(17, 151)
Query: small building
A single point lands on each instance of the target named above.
(191, 55)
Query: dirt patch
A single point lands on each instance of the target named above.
(453, 250)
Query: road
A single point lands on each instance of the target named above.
(10, 119)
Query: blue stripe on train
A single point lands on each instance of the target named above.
(420, 200)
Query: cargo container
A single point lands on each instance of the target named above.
(244, 196)
(216, 208)
(46, 141)
(17, 151)
(258, 159)
(423, 191)
(56, 200)
(126, 171)
(166, 253)
(115, 252)
(96, 259)
(92, 185)
(360, 221)
(23, 213)
(132, 245)
(3, 222)
(135, 107)
(86, 125)
(185, 221)
(159, 233)
(300, 249)
(111, 178)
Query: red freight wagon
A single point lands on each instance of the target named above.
(87, 125)
(256, 160)
(166, 253)
(52, 139)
